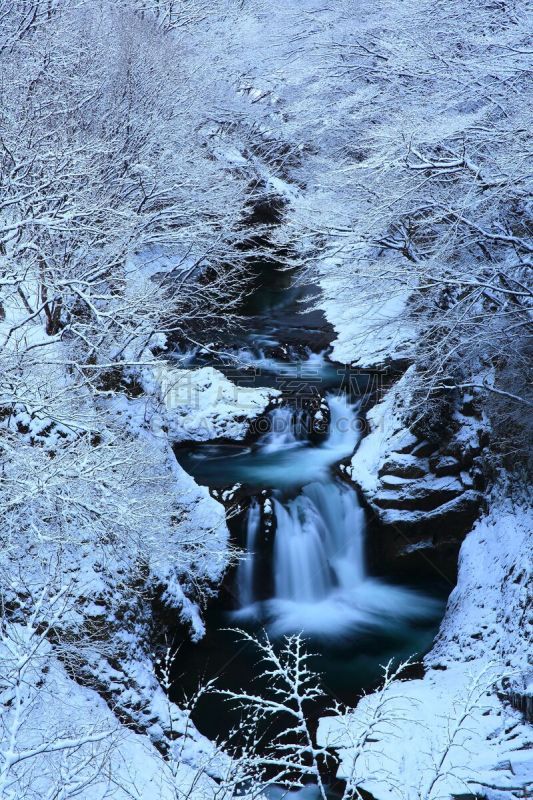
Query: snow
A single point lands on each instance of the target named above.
(203, 404)
(386, 433)
(152, 261)
(155, 505)
(370, 333)
(487, 613)
(120, 763)
(202, 518)
(484, 638)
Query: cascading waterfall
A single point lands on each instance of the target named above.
(287, 427)
(320, 582)
(246, 566)
(319, 543)
(315, 363)
(302, 567)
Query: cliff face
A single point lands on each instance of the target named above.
(425, 494)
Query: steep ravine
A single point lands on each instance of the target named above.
(416, 497)
(389, 461)
(386, 610)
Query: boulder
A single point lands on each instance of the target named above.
(394, 481)
(444, 465)
(421, 495)
(423, 449)
(453, 518)
(403, 465)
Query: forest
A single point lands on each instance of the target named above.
(265, 400)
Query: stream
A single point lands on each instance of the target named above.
(304, 565)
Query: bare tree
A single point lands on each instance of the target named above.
(290, 757)
(417, 190)
(44, 754)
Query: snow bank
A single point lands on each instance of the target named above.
(70, 743)
(488, 611)
(371, 332)
(452, 732)
(386, 434)
(196, 550)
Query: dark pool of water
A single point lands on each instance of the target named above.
(345, 669)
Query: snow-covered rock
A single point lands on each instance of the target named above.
(203, 404)
(372, 333)
(425, 494)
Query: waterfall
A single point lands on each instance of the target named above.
(318, 564)
(319, 543)
(301, 569)
(320, 582)
(287, 429)
(344, 432)
(245, 572)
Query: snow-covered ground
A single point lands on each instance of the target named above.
(83, 749)
(370, 333)
(454, 731)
